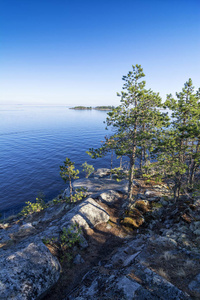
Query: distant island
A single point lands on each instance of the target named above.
(96, 108)
(81, 107)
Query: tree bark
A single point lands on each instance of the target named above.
(70, 190)
(131, 175)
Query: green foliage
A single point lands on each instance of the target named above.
(87, 169)
(136, 121)
(68, 172)
(158, 179)
(118, 173)
(108, 107)
(79, 194)
(70, 237)
(32, 207)
(178, 147)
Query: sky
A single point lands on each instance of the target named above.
(61, 52)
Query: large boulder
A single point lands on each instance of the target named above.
(27, 271)
(87, 215)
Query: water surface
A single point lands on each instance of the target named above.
(34, 142)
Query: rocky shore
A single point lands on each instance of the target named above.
(147, 250)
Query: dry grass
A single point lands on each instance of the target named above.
(162, 273)
(167, 255)
(180, 272)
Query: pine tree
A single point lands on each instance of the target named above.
(136, 120)
(181, 142)
(68, 173)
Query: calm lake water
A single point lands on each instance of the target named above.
(34, 142)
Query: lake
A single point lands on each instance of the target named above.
(34, 142)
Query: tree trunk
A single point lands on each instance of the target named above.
(111, 163)
(192, 168)
(120, 162)
(131, 175)
(70, 190)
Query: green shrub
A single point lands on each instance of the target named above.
(32, 207)
(87, 169)
(70, 237)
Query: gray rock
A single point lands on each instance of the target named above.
(83, 243)
(53, 211)
(27, 271)
(128, 286)
(102, 172)
(87, 215)
(160, 288)
(130, 259)
(150, 194)
(197, 232)
(94, 186)
(194, 286)
(24, 231)
(50, 232)
(78, 260)
(163, 241)
(196, 225)
(109, 196)
(66, 193)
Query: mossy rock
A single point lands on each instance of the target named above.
(142, 205)
(133, 212)
(132, 222)
(133, 218)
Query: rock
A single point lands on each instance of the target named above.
(27, 271)
(129, 287)
(162, 241)
(197, 232)
(130, 259)
(132, 222)
(125, 284)
(97, 186)
(164, 203)
(53, 211)
(50, 232)
(83, 243)
(109, 197)
(133, 218)
(196, 225)
(102, 172)
(66, 193)
(78, 260)
(160, 288)
(97, 286)
(198, 241)
(150, 194)
(142, 205)
(194, 286)
(87, 215)
(24, 230)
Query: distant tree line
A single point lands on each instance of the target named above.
(108, 107)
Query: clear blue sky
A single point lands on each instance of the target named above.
(76, 52)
